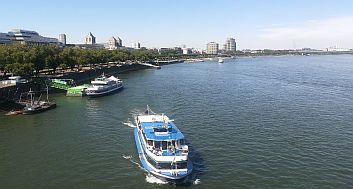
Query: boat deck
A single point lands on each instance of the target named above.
(151, 131)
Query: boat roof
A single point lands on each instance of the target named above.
(159, 128)
(104, 80)
(78, 87)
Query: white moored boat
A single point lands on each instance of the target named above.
(104, 85)
(161, 147)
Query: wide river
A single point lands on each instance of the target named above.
(266, 122)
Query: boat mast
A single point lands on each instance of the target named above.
(47, 93)
(31, 95)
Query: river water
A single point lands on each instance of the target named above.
(266, 122)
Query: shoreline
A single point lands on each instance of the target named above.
(9, 95)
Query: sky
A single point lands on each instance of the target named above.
(255, 24)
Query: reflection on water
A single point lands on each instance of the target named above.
(266, 122)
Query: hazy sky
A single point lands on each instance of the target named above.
(255, 24)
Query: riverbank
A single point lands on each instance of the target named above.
(10, 94)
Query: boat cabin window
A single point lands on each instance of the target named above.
(180, 165)
(164, 145)
(157, 144)
(150, 142)
(182, 142)
(162, 129)
(172, 143)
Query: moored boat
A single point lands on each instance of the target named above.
(104, 85)
(37, 106)
(161, 147)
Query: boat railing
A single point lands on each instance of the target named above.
(181, 151)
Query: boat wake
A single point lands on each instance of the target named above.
(154, 180)
(197, 181)
(131, 159)
(129, 124)
(135, 112)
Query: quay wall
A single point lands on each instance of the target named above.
(13, 93)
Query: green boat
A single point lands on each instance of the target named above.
(63, 84)
(77, 91)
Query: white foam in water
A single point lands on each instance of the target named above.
(154, 180)
(131, 159)
(197, 181)
(129, 124)
(127, 157)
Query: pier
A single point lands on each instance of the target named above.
(149, 65)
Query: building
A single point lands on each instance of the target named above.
(336, 48)
(136, 45)
(230, 45)
(120, 42)
(62, 39)
(112, 44)
(30, 37)
(173, 50)
(90, 39)
(186, 50)
(5, 38)
(212, 48)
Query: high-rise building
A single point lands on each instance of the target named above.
(230, 45)
(30, 37)
(136, 45)
(90, 39)
(62, 39)
(212, 48)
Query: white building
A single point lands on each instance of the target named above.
(90, 39)
(136, 45)
(112, 44)
(212, 48)
(336, 48)
(62, 39)
(186, 50)
(230, 45)
(30, 37)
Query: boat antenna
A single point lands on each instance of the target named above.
(149, 111)
(165, 123)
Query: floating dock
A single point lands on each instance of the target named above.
(77, 91)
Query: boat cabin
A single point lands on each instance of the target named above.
(161, 136)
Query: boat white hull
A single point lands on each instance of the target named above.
(161, 174)
(102, 93)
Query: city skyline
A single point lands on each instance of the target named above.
(254, 25)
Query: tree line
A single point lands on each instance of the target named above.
(31, 59)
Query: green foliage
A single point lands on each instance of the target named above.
(24, 59)
(20, 68)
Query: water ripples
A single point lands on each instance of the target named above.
(272, 122)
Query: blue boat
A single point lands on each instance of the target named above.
(161, 147)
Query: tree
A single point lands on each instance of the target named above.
(53, 58)
(67, 57)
